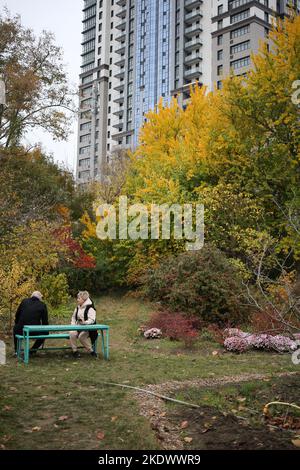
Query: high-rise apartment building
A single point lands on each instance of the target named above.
(237, 31)
(135, 52)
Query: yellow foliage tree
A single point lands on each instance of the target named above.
(15, 285)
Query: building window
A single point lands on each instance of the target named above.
(220, 9)
(220, 40)
(219, 85)
(87, 79)
(237, 3)
(220, 69)
(236, 33)
(242, 46)
(86, 126)
(240, 16)
(220, 54)
(238, 64)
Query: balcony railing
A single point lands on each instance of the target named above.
(193, 29)
(192, 44)
(192, 3)
(193, 71)
(193, 15)
(190, 58)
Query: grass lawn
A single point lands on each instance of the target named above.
(58, 403)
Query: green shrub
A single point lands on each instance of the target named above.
(55, 289)
(201, 283)
(91, 280)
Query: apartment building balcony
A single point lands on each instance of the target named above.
(193, 44)
(121, 3)
(120, 99)
(194, 29)
(121, 62)
(119, 125)
(121, 73)
(121, 37)
(193, 72)
(186, 89)
(121, 49)
(120, 111)
(122, 13)
(121, 135)
(193, 58)
(120, 87)
(193, 16)
(122, 25)
(190, 4)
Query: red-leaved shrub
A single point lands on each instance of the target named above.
(176, 326)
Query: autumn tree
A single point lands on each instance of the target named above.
(38, 94)
(35, 188)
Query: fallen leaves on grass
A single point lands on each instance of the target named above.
(100, 436)
(184, 424)
(285, 422)
(188, 440)
(7, 408)
(63, 418)
(296, 442)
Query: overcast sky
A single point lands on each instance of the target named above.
(63, 18)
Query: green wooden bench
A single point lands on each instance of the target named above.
(51, 330)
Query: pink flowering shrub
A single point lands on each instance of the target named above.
(282, 344)
(261, 341)
(236, 344)
(240, 341)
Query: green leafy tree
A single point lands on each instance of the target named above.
(38, 94)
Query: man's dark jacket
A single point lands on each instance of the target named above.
(31, 312)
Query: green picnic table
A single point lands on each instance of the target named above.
(51, 332)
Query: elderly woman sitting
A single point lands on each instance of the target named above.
(84, 314)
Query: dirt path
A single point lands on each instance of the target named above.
(169, 431)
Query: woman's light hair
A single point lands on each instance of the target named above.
(83, 295)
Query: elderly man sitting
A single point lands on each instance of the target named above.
(31, 311)
(84, 314)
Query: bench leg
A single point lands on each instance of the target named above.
(102, 344)
(26, 349)
(95, 345)
(19, 348)
(107, 345)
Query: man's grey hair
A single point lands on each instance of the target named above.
(83, 295)
(37, 294)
